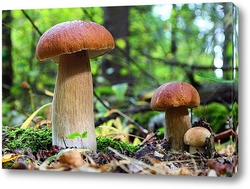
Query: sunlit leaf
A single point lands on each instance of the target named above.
(120, 90)
(103, 90)
(136, 141)
(73, 135)
(29, 120)
(9, 157)
(84, 134)
(76, 134)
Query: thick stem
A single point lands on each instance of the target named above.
(72, 109)
(177, 123)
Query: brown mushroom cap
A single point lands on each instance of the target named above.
(175, 94)
(196, 136)
(73, 36)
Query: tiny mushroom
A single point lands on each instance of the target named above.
(175, 98)
(196, 137)
(71, 44)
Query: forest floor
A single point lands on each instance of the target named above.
(153, 156)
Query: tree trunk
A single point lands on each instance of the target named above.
(116, 21)
(7, 71)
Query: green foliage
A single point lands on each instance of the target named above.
(215, 79)
(160, 132)
(121, 43)
(104, 142)
(35, 139)
(120, 90)
(216, 115)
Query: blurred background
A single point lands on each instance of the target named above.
(155, 44)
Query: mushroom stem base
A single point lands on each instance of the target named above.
(177, 123)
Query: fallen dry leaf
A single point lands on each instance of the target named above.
(9, 157)
(71, 157)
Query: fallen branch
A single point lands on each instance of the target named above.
(225, 134)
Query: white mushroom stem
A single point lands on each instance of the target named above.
(194, 149)
(177, 123)
(72, 109)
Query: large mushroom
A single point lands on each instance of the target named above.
(175, 98)
(71, 44)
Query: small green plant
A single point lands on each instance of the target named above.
(77, 134)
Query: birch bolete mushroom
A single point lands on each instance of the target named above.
(175, 98)
(71, 44)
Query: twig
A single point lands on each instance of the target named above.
(174, 62)
(31, 21)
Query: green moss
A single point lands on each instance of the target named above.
(35, 139)
(39, 139)
(215, 113)
(104, 142)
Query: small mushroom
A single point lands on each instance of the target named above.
(196, 138)
(175, 98)
(71, 44)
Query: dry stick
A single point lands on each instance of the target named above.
(225, 134)
(139, 127)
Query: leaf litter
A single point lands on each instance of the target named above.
(154, 157)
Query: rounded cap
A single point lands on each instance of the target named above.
(73, 36)
(175, 94)
(196, 136)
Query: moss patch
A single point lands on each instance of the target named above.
(35, 139)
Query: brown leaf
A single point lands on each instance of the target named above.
(220, 168)
(71, 157)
